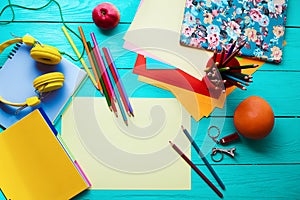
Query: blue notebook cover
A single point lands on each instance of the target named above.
(16, 80)
(215, 24)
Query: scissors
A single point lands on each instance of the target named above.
(214, 132)
(216, 151)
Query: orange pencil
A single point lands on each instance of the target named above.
(90, 59)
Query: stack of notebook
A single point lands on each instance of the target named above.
(34, 163)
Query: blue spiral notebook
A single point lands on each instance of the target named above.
(216, 24)
(16, 84)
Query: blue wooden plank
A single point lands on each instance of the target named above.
(282, 145)
(52, 34)
(290, 52)
(242, 182)
(73, 11)
(284, 100)
(292, 13)
(83, 9)
(277, 87)
(268, 168)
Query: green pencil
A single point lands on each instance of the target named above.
(100, 77)
(244, 66)
(224, 69)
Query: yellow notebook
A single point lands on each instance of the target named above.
(34, 164)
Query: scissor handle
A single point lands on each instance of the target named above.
(214, 137)
(214, 153)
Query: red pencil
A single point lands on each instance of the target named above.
(90, 58)
(117, 79)
(194, 167)
(222, 58)
(105, 78)
(104, 73)
(233, 54)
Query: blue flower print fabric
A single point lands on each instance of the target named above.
(216, 24)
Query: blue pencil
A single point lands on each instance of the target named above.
(203, 158)
(235, 79)
(121, 108)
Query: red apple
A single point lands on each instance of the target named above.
(106, 16)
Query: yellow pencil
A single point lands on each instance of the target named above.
(78, 55)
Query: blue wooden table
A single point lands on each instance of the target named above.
(264, 169)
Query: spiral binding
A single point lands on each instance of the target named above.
(14, 50)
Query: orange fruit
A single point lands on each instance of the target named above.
(254, 118)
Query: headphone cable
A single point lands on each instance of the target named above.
(10, 5)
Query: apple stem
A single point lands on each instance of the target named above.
(103, 12)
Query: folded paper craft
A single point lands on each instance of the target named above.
(196, 103)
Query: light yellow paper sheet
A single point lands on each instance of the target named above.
(139, 156)
(155, 31)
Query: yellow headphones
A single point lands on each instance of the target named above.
(44, 83)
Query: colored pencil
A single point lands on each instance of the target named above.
(78, 55)
(117, 80)
(236, 84)
(244, 66)
(121, 108)
(231, 56)
(230, 49)
(195, 168)
(241, 76)
(215, 55)
(90, 59)
(224, 69)
(212, 171)
(106, 82)
(102, 68)
(230, 73)
(114, 107)
(100, 77)
(222, 57)
(227, 76)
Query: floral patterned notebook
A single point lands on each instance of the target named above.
(216, 24)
